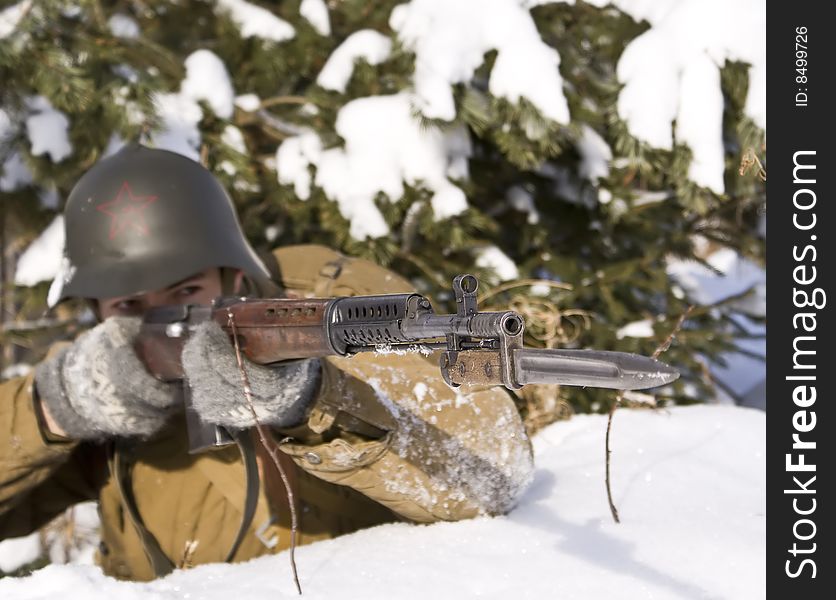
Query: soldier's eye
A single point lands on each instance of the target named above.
(189, 290)
(128, 306)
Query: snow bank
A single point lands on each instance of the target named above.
(450, 40)
(690, 488)
(17, 552)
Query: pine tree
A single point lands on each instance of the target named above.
(114, 70)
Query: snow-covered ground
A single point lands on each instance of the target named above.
(689, 484)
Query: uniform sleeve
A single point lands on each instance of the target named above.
(38, 478)
(388, 427)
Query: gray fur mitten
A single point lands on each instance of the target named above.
(98, 388)
(281, 394)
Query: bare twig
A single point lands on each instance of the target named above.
(524, 282)
(663, 347)
(615, 404)
(277, 100)
(659, 350)
(271, 449)
(750, 159)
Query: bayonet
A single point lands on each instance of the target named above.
(476, 348)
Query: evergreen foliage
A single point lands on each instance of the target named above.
(607, 242)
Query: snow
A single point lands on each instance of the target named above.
(293, 157)
(316, 12)
(13, 171)
(636, 329)
(368, 44)
(522, 200)
(248, 102)
(743, 374)
(495, 259)
(689, 484)
(736, 275)
(207, 79)
(595, 155)
(14, 174)
(679, 58)
(6, 126)
(450, 40)
(66, 270)
(179, 116)
(385, 146)
(78, 548)
(42, 258)
(254, 21)
(15, 370)
(123, 26)
(11, 16)
(233, 138)
(47, 130)
(16, 552)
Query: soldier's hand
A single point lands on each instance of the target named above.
(98, 388)
(281, 394)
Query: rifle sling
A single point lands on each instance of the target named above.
(160, 563)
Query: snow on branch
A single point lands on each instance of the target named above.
(672, 73)
(254, 21)
(385, 146)
(450, 40)
(316, 13)
(368, 44)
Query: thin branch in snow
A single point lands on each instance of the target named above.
(613, 509)
(620, 396)
(264, 437)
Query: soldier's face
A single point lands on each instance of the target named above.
(201, 288)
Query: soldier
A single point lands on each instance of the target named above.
(364, 440)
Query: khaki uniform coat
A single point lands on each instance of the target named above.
(386, 440)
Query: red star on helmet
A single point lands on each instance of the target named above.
(126, 211)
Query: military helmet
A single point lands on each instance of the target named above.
(143, 219)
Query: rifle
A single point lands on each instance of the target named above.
(478, 348)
